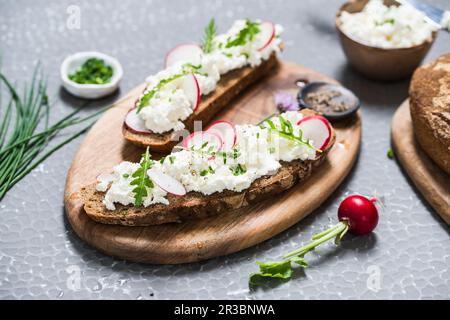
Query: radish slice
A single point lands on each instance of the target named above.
(190, 87)
(198, 139)
(189, 53)
(317, 129)
(166, 182)
(266, 34)
(226, 131)
(135, 123)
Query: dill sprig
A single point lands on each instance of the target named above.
(25, 130)
(208, 36)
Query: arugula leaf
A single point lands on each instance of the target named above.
(141, 179)
(280, 269)
(208, 37)
(187, 68)
(247, 34)
(150, 94)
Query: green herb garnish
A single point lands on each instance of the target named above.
(283, 269)
(141, 179)
(390, 153)
(172, 159)
(150, 94)
(187, 68)
(22, 146)
(208, 37)
(126, 175)
(287, 132)
(247, 34)
(93, 71)
(239, 170)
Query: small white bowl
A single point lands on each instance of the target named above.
(90, 91)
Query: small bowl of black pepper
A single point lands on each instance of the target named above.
(333, 101)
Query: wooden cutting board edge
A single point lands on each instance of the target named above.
(114, 240)
(432, 182)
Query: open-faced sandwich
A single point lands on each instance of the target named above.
(430, 109)
(222, 168)
(198, 81)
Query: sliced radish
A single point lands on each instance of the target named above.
(266, 34)
(317, 129)
(188, 52)
(226, 131)
(166, 182)
(199, 139)
(191, 88)
(135, 123)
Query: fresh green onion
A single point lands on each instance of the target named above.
(26, 132)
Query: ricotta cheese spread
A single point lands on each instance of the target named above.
(387, 27)
(259, 151)
(169, 107)
(119, 189)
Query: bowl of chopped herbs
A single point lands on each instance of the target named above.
(91, 75)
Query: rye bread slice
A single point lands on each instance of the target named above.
(195, 205)
(228, 87)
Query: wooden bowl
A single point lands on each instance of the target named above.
(380, 63)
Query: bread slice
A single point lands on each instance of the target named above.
(228, 87)
(196, 205)
(429, 102)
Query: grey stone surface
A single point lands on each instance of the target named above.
(40, 255)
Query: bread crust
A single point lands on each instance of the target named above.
(228, 87)
(430, 109)
(195, 205)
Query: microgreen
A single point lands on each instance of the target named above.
(208, 37)
(141, 179)
(247, 34)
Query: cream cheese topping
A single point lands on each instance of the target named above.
(258, 152)
(170, 107)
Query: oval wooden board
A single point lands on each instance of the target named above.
(197, 240)
(432, 182)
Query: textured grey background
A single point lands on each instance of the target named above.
(39, 251)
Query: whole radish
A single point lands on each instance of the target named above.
(357, 214)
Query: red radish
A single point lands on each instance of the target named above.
(317, 129)
(198, 139)
(359, 213)
(266, 34)
(356, 213)
(226, 131)
(188, 52)
(166, 182)
(191, 89)
(135, 123)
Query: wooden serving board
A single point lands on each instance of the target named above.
(432, 182)
(197, 240)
